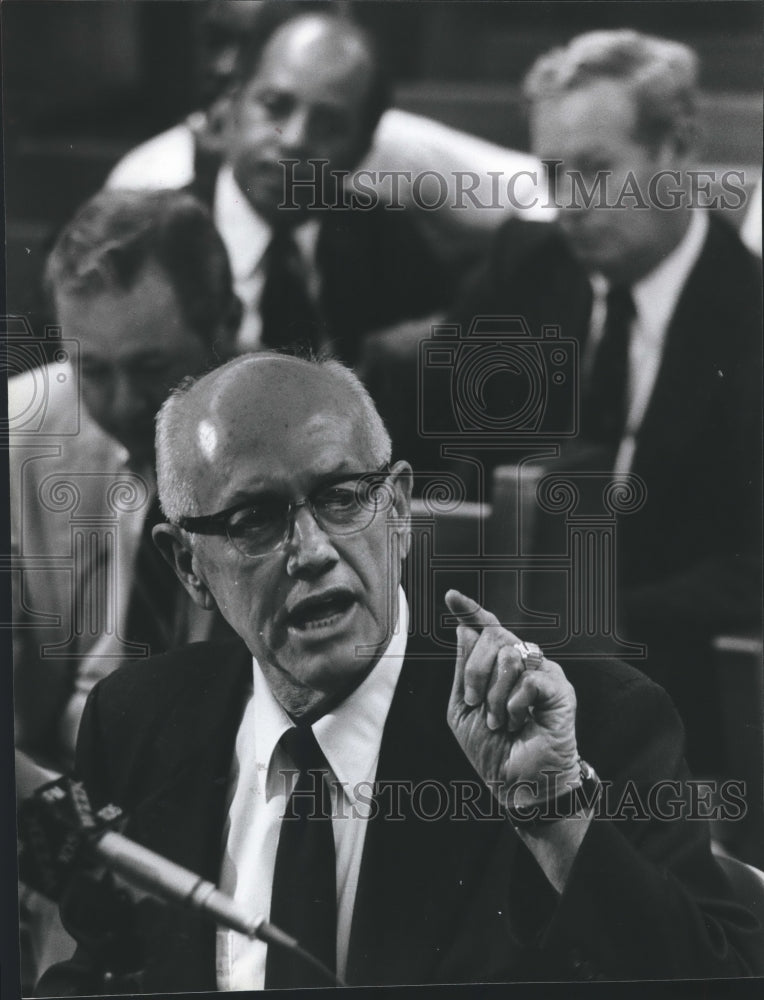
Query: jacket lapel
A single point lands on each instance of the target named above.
(687, 373)
(422, 884)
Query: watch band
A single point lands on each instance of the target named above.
(583, 797)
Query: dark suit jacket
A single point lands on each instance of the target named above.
(689, 559)
(455, 898)
(699, 446)
(375, 269)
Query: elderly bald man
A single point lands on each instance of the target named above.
(460, 784)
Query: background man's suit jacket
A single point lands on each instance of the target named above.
(689, 559)
(439, 900)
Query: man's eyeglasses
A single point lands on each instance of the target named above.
(343, 505)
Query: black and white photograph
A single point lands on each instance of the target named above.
(382, 572)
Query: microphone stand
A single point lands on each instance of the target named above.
(57, 826)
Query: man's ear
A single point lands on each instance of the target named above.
(402, 478)
(173, 543)
(680, 144)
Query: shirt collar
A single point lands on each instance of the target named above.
(656, 295)
(350, 736)
(246, 234)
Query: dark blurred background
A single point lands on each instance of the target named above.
(86, 81)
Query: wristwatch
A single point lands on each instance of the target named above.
(581, 798)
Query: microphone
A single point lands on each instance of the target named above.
(59, 833)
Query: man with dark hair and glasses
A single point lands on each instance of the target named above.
(141, 282)
(409, 813)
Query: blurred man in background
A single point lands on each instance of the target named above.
(141, 287)
(306, 266)
(303, 110)
(366, 283)
(141, 284)
(665, 303)
(406, 143)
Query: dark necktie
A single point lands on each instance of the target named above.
(289, 315)
(605, 395)
(154, 592)
(304, 898)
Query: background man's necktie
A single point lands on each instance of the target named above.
(154, 593)
(287, 311)
(605, 396)
(304, 898)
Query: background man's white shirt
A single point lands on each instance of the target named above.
(246, 236)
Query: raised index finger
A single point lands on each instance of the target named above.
(469, 612)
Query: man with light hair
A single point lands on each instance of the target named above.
(662, 76)
(664, 302)
(410, 813)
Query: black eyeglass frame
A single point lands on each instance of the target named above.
(218, 523)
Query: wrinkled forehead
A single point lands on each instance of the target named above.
(273, 415)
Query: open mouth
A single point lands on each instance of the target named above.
(320, 612)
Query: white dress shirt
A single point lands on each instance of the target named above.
(655, 299)
(246, 236)
(262, 778)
